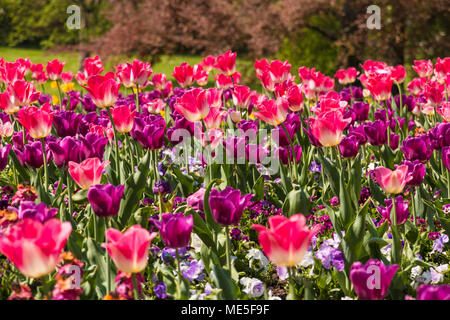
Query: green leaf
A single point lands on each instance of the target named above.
(258, 189)
(331, 172)
(296, 202)
(222, 280)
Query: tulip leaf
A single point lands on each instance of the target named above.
(296, 202)
(80, 196)
(346, 208)
(96, 256)
(187, 183)
(223, 280)
(356, 173)
(331, 172)
(202, 230)
(258, 189)
(376, 192)
(134, 188)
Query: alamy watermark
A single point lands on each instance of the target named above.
(374, 20)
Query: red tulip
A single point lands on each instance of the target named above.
(37, 121)
(242, 96)
(92, 66)
(444, 111)
(23, 92)
(225, 82)
(103, 89)
(273, 112)
(215, 118)
(380, 85)
(7, 103)
(442, 68)
(54, 69)
(134, 74)
(184, 74)
(129, 250)
(35, 247)
(392, 182)
(200, 75)
(295, 98)
(346, 76)
(286, 241)
(328, 128)
(66, 77)
(123, 117)
(193, 105)
(160, 81)
(11, 72)
(424, 68)
(87, 173)
(227, 63)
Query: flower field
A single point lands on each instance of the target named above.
(137, 187)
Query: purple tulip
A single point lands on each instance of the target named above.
(246, 125)
(395, 140)
(162, 187)
(93, 146)
(31, 155)
(440, 136)
(417, 148)
(75, 98)
(234, 147)
(227, 205)
(175, 229)
(361, 111)
(376, 132)
(417, 170)
(284, 152)
(429, 292)
(67, 123)
(255, 153)
(65, 150)
(292, 125)
(402, 210)
(38, 212)
(149, 131)
(4, 152)
(359, 133)
(180, 123)
(105, 199)
(446, 157)
(349, 147)
(372, 280)
(88, 103)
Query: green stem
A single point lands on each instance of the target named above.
(291, 294)
(138, 106)
(128, 146)
(116, 142)
(69, 191)
(135, 288)
(396, 243)
(108, 265)
(228, 248)
(294, 156)
(44, 157)
(448, 184)
(179, 275)
(60, 95)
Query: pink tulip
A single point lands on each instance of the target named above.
(66, 77)
(200, 75)
(328, 128)
(215, 118)
(11, 72)
(215, 98)
(37, 121)
(184, 74)
(155, 106)
(160, 81)
(226, 63)
(398, 74)
(35, 247)
(380, 85)
(103, 89)
(54, 69)
(242, 96)
(280, 71)
(416, 86)
(424, 68)
(92, 66)
(295, 98)
(208, 63)
(392, 182)
(444, 111)
(7, 103)
(225, 82)
(6, 129)
(286, 241)
(273, 112)
(193, 105)
(129, 250)
(442, 68)
(88, 172)
(23, 92)
(134, 74)
(123, 117)
(346, 76)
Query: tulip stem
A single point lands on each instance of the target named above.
(116, 145)
(60, 95)
(294, 156)
(44, 157)
(291, 295)
(396, 244)
(179, 275)
(448, 183)
(138, 106)
(69, 191)
(135, 288)
(108, 265)
(228, 248)
(413, 209)
(128, 142)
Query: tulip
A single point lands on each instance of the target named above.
(429, 292)
(446, 157)
(285, 154)
(295, 98)
(195, 200)
(4, 152)
(93, 146)
(105, 199)
(66, 150)
(88, 172)
(11, 72)
(398, 74)
(37, 121)
(200, 75)
(184, 74)
(129, 250)
(215, 118)
(92, 66)
(225, 82)
(346, 76)
(208, 63)
(31, 154)
(392, 182)
(193, 105)
(440, 136)
(226, 63)
(23, 93)
(8, 103)
(160, 81)
(134, 74)
(123, 117)
(361, 110)
(35, 247)
(376, 132)
(328, 128)
(227, 205)
(54, 69)
(274, 112)
(401, 210)
(380, 86)
(176, 229)
(349, 147)
(242, 96)
(286, 241)
(235, 147)
(417, 148)
(372, 280)
(442, 67)
(149, 131)
(38, 212)
(103, 90)
(417, 171)
(444, 111)
(256, 154)
(424, 68)
(67, 123)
